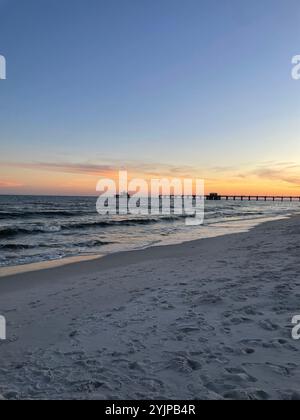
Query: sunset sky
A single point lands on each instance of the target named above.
(185, 88)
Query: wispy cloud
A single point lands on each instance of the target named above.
(94, 169)
(288, 172)
(7, 184)
(72, 168)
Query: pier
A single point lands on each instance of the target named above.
(218, 197)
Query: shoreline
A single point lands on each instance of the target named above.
(249, 224)
(44, 265)
(207, 319)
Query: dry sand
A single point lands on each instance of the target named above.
(209, 319)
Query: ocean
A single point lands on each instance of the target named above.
(35, 229)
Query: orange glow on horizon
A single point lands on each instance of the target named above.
(20, 180)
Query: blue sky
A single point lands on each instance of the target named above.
(195, 83)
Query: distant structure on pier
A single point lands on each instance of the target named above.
(214, 197)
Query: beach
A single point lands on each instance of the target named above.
(207, 319)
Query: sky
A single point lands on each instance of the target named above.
(194, 88)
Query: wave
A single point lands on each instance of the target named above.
(108, 223)
(11, 231)
(31, 229)
(92, 244)
(16, 247)
(123, 222)
(14, 231)
(22, 247)
(46, 214)
(244, 213)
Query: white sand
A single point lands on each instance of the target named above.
(204, 320)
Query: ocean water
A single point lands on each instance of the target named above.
(35, 229)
